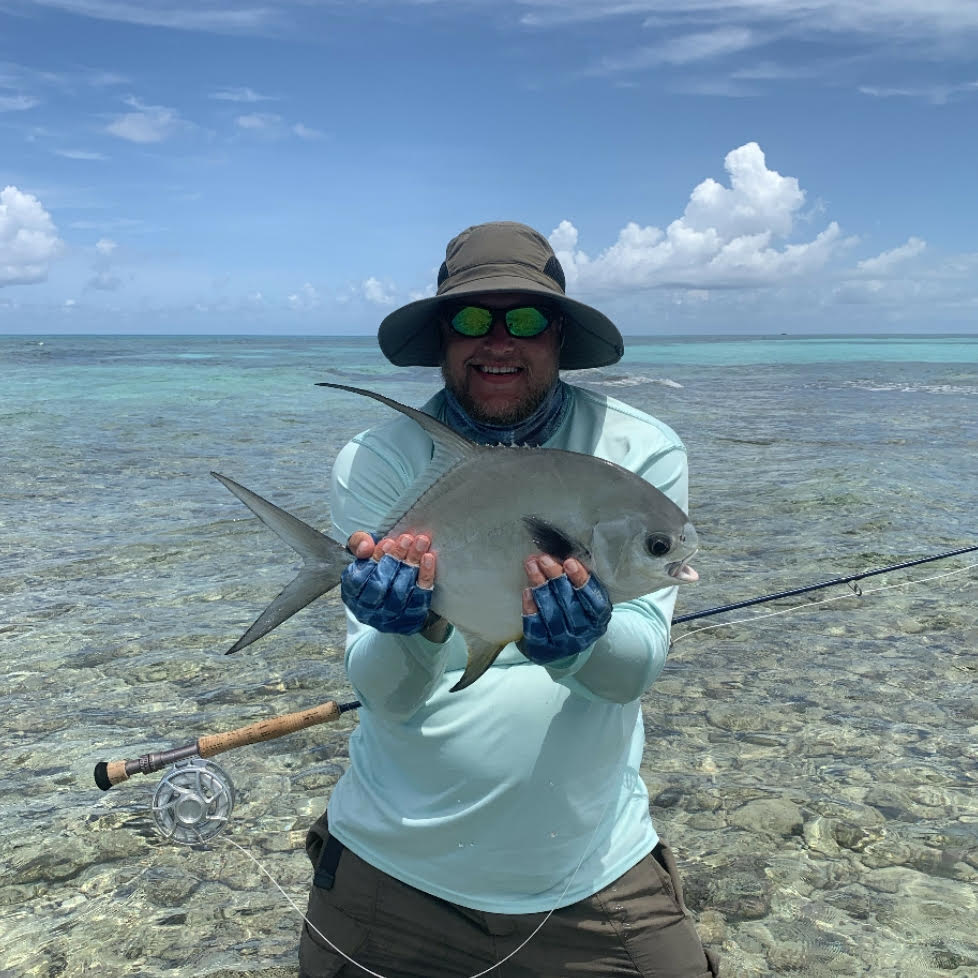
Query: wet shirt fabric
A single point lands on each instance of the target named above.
(521, 792)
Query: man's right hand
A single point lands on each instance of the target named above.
(390, 583)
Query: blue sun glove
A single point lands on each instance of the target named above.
(385, 595)
(569, 619)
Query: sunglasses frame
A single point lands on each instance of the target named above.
(550, 313)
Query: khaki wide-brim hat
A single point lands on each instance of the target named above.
(499, 257)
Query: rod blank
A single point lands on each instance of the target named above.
(852, 578)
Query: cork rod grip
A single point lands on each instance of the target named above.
(268, 729)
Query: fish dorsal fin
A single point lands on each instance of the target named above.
(451, 448)
(446, 440)
(553, 540)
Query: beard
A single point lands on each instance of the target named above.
(500, 416)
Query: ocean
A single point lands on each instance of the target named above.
(816, 770)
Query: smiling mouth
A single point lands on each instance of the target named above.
(496, 371)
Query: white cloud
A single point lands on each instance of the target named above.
(79, 154)
(105, 246)
(723, 240)
(240, 94)
(265, 122)
(306, 298)
(148, 124)
(375, 291)
(938, 94)
(305, 132)
(757, 200)
(273, 126)
(18, 103)
(28, 238)
(154, 13)
(426, 293)
(912, 20)
(682, 50)
(882, 264)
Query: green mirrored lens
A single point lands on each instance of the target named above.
(472, 321)
(527, 321)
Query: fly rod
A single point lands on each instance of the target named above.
(108, 773)
(849, 580)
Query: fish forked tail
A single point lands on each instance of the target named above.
(324, 562)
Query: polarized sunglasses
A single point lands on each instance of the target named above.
(521, 322)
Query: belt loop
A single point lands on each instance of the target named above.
(329, 859)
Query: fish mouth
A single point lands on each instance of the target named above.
(681, 571)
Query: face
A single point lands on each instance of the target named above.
(497, 378)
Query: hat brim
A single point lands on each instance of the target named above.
(410, 336)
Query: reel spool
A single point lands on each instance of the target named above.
(193, 802)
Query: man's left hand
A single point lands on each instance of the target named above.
(565, 609)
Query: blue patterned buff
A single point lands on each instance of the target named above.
(534, 431)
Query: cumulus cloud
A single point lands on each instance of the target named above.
(28, 238)
(306, 298)
(725, 238)
(884, 263)
(103, 277)
(426, 293)
(305, 132)
(377, 292)
(148, 124)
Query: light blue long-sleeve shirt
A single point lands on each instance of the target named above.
(521, 792)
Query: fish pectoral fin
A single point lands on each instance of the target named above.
(553, 540)
(482, 655)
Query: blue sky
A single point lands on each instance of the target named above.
(294, 166)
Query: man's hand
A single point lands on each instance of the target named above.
(565, 609)
(389, 585)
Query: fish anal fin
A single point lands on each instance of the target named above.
(554, 541)
(482, 654)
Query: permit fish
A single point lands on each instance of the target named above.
(486, 509)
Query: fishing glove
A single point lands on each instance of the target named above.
(385, 595)
(569, 619)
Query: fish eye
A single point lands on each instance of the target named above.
(658, 545)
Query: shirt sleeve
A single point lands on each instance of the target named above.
(392, 674)
(621, 665)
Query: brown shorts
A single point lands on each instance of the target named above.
(636, 926)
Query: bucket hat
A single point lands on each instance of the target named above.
(501, 256)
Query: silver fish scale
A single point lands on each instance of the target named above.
(474, 515)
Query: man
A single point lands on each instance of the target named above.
(467, 820)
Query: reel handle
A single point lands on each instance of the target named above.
(108, 773)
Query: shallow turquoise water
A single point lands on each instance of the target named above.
(126, 570)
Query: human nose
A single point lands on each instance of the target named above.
(498, 335)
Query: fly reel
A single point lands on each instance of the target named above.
(193, 802)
